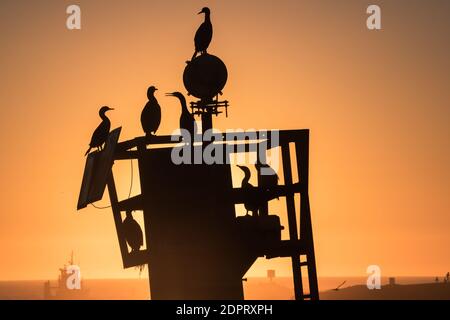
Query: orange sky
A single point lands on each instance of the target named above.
(377, 104)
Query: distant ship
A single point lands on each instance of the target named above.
(61, 291)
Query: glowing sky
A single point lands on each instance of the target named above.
(377, 104)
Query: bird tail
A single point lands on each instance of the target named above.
(87, 152)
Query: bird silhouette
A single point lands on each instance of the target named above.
(204, 34)
(151, 114)
(187, 120)
(251, 198)
(268, 177)
(101, 133)
(133, 232)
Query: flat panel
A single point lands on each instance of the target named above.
(97, 170)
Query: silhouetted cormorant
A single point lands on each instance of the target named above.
(187, 120)
(268, 176)
(251, 201)
(204, 34)
(151, 114)
(133, 232)
(101, 133)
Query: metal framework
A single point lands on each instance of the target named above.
(300, 242)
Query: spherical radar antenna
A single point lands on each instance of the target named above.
(205, 77)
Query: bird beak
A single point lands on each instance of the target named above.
(200, 12)
(111, 109)
(169, 94)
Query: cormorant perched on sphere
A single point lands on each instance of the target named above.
(101, 133)
(133, 232)
(252, 201)
(204, 34)
(151, 114)
(187, 120)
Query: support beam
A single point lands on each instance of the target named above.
(117, 217)
(292, 221)
(306, 232)
(132, 204)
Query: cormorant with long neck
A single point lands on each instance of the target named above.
(151, 114)
(133, 232)
(187, 120)
(251, 201)
(204, 34)
(101, 133)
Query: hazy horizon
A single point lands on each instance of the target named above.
(254, 288)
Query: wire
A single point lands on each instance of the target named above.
(100, 208)
(131, 182)
(129, 193)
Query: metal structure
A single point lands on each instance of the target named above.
(196, 246)
(204, 78)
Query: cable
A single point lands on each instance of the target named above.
(131, 182)
(129, 193)
(100, 208)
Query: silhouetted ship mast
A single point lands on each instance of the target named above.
(195, 246)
